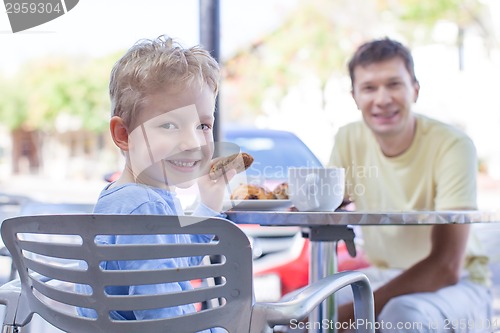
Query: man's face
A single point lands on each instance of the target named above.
(173, 142)
(385, 92)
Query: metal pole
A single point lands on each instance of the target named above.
(210, 40)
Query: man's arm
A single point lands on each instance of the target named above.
(455, 170)
(439, 269)
(456, 190)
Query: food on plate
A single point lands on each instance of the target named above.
(255, 192)
(281, 191)
(239, 162)
(251, 192)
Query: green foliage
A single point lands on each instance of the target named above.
(428, 12)
(13, 106)
(316, 40)
(311, 43)
(424, 14)
(45, 89)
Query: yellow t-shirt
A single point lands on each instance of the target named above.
(437, 172)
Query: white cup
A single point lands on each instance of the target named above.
(316, 189)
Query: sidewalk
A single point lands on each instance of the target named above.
(47, 189)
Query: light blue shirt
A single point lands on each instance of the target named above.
(143, 200)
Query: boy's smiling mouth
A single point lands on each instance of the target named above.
(183, 164)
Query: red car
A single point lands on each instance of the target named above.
(284, 267)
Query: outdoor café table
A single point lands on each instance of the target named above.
(325, 229)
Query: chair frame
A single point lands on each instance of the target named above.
(238, 312)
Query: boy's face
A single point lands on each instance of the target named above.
(172, 143)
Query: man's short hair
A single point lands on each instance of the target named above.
(380, 50)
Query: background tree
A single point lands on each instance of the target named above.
(418, 18)
(312, 44)
(52, 97)
(13, 106)
(317, 38)
(49, 88)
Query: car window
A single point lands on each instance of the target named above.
(273, 154)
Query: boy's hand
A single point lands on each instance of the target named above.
(212, 191)
(220, 173)
(240, 162)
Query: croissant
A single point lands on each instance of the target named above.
(251, 192)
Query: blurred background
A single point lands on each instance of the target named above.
(284, 68)
(284, 65)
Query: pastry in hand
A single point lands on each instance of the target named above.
(281, 191)
(239, 162)
(251, 192)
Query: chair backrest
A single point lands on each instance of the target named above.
(55, 249)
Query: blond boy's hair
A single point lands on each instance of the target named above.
(151, 65)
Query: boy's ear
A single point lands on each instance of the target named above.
(119, 132)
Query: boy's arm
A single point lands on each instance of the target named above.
(202, 210)
(212, 191)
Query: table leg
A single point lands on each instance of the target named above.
(326, 264)
(315, 273)
(323, 262)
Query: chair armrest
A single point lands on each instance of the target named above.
(301, 303)
(9, 296)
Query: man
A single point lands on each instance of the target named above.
(426, 278)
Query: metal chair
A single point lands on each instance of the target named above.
(50, 250)
(10, 205)
(25, 206)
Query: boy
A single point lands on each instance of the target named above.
(163, 100)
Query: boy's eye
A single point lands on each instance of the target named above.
(168, 126)
(205, 127)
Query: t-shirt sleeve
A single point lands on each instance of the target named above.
(456, 176)
(339, 157)
(154, 208)
(203, 210)
(336, 159)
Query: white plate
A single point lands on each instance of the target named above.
(256, 204)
